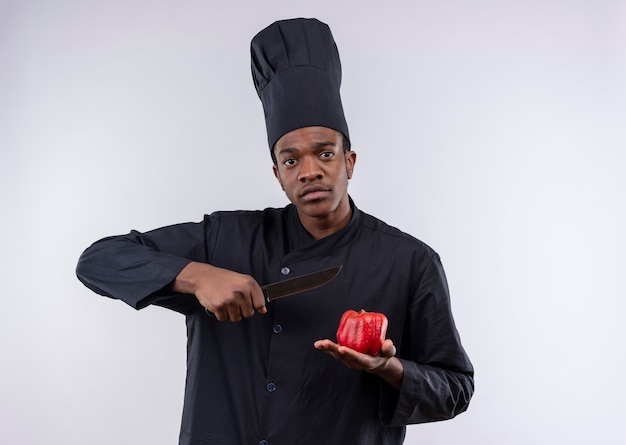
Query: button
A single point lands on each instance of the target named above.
(271, 387)
(263, 442)
(278, 329)
(285, 270)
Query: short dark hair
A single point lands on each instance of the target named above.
(347, 146)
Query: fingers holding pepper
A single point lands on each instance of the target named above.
(355, 359)
(360, 340)
(362, 345)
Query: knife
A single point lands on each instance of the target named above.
(299, 284)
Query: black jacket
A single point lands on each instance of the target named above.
(261, 379)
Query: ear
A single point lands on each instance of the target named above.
(350, 161)
(277, 175)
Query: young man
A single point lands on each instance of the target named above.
(255, 372)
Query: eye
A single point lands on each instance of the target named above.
(289, 162)
(327, 155)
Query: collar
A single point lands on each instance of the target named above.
(300, 239)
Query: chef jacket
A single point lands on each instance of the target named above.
(261, 381)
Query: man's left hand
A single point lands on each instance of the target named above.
(385, 364)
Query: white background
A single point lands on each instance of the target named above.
(492, 130)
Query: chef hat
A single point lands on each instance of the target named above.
(297, 73)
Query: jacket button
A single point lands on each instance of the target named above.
(285, 271)
(277, 329)
(271, 387)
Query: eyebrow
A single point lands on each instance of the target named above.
(317, 145)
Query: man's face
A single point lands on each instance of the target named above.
(313, 170)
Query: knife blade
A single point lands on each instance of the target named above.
(299, 284)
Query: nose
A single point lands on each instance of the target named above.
(309, 169)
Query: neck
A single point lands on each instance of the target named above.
(324, 225)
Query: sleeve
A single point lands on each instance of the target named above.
(137, 268)
(438, 380)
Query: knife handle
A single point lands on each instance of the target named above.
(265, 295)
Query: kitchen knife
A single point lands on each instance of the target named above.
(299, 284)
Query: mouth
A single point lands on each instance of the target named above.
(313, 192)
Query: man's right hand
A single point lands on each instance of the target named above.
(228, 295)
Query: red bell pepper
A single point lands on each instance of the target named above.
(362, 331)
